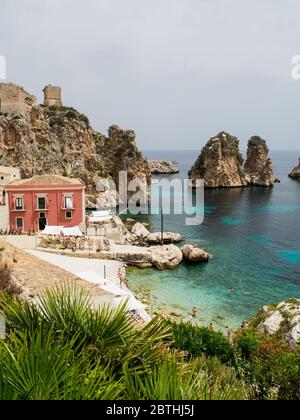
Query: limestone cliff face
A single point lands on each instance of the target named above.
(220, 163)
(60, 140)
(295, 172)
(258, 166)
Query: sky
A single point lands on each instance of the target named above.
(176, 71)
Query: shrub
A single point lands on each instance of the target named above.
(71, 115)
(197, 341)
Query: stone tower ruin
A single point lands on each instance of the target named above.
(52, 95)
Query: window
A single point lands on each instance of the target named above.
(42, 203)
(19, 203)
(68, 202)
(19, 222)
(68, 215)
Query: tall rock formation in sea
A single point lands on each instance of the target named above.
(60, 140)
(258, 166)
(220, 163)
(295, 172)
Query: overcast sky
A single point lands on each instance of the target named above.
(176, 71)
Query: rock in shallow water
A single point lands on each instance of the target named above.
(192, 254)
(166, 256)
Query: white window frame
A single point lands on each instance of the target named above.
(19, 197)
(37, 201)
(68, 196)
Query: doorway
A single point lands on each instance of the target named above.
(42, 221)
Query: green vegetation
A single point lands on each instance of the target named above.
(268, 366)
(63, 349)
(58, 113)
(258, 142)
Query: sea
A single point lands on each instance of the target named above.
(253, 237)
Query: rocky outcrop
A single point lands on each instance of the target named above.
(295, 172)
(162, 167)
(220, 163)
(283, 319)
(165, 256)
(60, 140)
(258, 167)
(193, 254)
(168, 237)
(139, 231)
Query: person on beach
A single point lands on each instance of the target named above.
(229, 334)
(194, 312)
(211, 327)
(245, 325)
(120, 276)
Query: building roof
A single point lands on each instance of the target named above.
(47, 180)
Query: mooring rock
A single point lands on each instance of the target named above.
(192, 254)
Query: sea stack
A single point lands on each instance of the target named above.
(220, 163)
(295, 172)
(258, 166)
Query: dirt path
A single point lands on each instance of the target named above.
(38, 275)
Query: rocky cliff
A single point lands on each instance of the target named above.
(60, 140)
(221, 164)
(258, 166)
(295, 172)
(282, 319)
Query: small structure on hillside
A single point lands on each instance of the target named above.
(15, 100)
(45, 200)
(52, 95)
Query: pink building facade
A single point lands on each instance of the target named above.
(45, 201)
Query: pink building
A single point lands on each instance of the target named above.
(51, 200)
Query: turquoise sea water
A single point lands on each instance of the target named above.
(253, 235)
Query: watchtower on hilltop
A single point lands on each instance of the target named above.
(52, 95)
